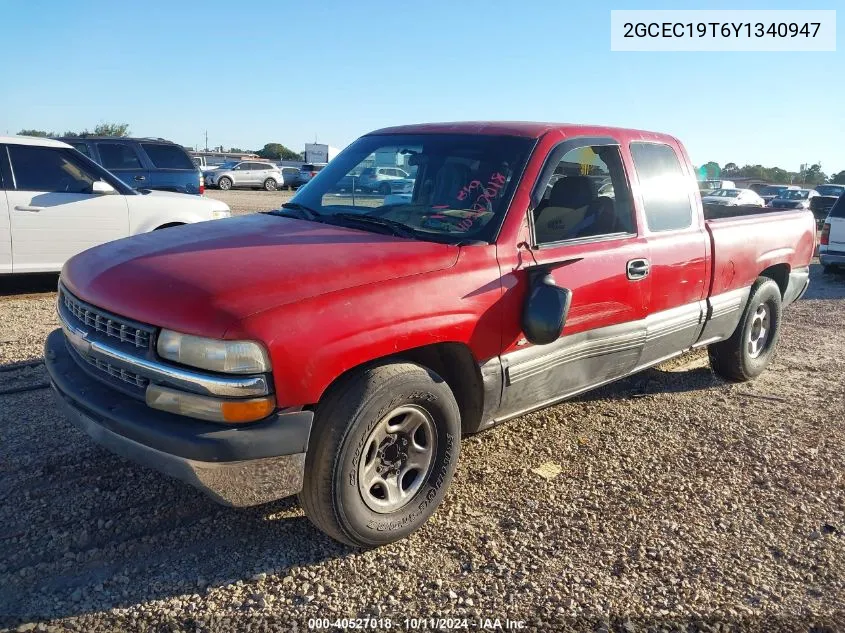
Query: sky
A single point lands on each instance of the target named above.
(250, 73)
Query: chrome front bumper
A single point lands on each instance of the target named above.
(235, 465)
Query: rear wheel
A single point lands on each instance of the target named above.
(270, 185)
(225, 183)
(382, 453)
(752, 345)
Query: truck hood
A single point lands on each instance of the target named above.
(202, 278)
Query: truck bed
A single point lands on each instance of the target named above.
(744, 244)
(720, 211)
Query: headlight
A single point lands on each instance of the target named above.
(220, 214)
(228, 357)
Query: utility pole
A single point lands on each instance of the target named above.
(206, 140)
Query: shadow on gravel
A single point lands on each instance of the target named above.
(83, 531)
(655, 381)
(34, 283)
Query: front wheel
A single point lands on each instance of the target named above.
(382, 453)
(752, 345)
(224, 183)
(270, 185)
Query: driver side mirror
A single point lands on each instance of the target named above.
(545, 310)
(101, 187)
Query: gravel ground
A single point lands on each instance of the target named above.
(670, 500)
(242, 201)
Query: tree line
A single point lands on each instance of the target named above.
(809, 175)
(102, 129)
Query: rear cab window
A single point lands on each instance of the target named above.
(665, 189)
(838, 209)
(167, 156)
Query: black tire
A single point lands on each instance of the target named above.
(224, 184)
(385, 189)
(346, 417)
(733, 358)
(828, 269)
(270, 185)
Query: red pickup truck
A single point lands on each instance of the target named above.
(340, 346)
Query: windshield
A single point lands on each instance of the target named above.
(831, 190)
(794, 194)
(444, 187)
(772, 191)
(725, 193)
(229, 164)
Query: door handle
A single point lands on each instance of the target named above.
(31, 209)
(638, 268)
(140, 178)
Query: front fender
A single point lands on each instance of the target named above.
(313, 342)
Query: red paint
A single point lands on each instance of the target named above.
(326, 299)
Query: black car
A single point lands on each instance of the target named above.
(143, 163)
(823, 203)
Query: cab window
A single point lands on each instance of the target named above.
(587, 196)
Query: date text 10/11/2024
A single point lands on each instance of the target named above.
(421, 624)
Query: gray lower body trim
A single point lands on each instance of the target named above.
(241, 483)
(541, 375)
(724, 312)
(799, 281)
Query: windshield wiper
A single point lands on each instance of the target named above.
(397, 228)
(305, 213)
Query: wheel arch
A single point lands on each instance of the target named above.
(452, 361)
(779, 273)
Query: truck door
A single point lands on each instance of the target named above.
(121, 158)
(585, 234)
(677, 248)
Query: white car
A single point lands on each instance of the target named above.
(245, 173)
(832, 243)
(56, 202)
(733, 198)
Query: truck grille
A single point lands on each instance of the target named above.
(105, 323)
(117, 372)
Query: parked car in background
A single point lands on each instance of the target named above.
(308, 171)
(290, 177)
(771, 192)
(56, 202)
(821, 204)
(793, 199)
(246, 173)
(384, 180)
(832, 242)
(143, 163)
(733, 198)
(340, 348)
(708, 186)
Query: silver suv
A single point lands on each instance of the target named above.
(245, 173)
